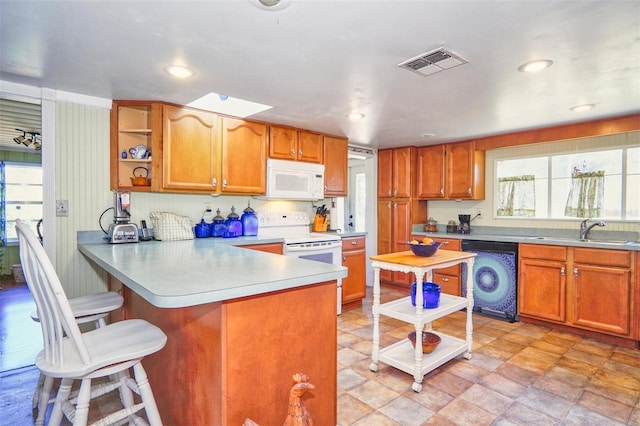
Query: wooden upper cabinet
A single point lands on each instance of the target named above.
(244, 156)
(335, 166)
(310, 147)
(465, 171)
(430, 172)
(189, 152)
(394, 172)
(450, 171)
(283, 143)
(286, 143)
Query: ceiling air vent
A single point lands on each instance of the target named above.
(433, 62)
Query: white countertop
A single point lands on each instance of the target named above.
(174, 274)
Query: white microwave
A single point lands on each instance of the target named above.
(294, 180)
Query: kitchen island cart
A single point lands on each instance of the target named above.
(402, 355)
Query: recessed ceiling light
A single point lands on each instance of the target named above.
(581, 108)
(427, 135)
(271, 4)
(179, 71)
(535, 66)
(356, 116)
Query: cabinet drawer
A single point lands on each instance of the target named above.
(449, 243)
(615, 258)
(536, 251)
(353, 243)
(449, 284)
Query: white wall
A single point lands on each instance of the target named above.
(443, 211)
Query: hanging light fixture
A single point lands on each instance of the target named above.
(29, 138)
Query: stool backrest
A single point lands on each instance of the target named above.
(56, 317)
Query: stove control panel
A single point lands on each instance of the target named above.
(282, 219)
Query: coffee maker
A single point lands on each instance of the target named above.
(465, 224)
(121, 231)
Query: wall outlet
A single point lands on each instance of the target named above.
(479, 213)
(62, 208)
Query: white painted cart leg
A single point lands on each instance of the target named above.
(417, 373)
(375, 352)
(469, 327)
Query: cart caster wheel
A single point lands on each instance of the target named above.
(373, 367)
(416, 387)
(467, 355)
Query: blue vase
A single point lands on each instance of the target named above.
(218, 228)
(234, 225)
(249, 222)
(430, 295)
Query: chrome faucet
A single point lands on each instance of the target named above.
(584, 229)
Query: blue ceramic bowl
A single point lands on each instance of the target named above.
(424, 250)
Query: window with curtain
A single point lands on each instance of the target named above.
(599, 184)
(517, 196)
(20, 197)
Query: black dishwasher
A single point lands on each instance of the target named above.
(494, 277)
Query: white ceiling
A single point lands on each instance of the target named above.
(317, 61)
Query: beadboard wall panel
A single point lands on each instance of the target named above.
(82, 178)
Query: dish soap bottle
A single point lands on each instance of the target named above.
(234, 226)
(249, 221)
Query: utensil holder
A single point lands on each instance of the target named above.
(319, 224)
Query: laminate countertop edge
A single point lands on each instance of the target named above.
(176, 274)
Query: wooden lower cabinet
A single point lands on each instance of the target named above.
(584, 288)
(268, 247)
(228, 361)
(354, 286)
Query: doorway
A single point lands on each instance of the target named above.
(360, 205)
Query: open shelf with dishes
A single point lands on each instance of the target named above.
(136, 132)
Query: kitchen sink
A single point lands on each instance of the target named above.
(588, 241)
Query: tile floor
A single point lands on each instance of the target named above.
(519, 374)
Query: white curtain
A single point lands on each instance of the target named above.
(517, 196)
(586, 195)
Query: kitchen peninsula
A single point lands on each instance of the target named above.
(240, 323)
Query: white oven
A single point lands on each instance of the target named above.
(300, 243)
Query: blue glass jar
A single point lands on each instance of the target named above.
(430, 295)
(249, 221)
(218, 228)
(203, 229)
(234, 225)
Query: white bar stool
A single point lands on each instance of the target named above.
(71, 355)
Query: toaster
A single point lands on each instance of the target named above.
(123, 233)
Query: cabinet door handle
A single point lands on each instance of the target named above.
(344, 259)
(293, 152)
(395, 192)
(575, 271)
(214, 182)
(469, 191)
(395, 205)
(441, 191)
(562, 271)
(325, 187)
(300, 153)
(388, 205)
(388, 191)
(445, 280)
(224, 183)
(445, 242)
(354, 243)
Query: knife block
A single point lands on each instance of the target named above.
(319, 224)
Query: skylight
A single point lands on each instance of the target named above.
(228, 105)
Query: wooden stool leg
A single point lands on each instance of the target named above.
(45, 396)
(147, 395)
(63, 395)
(82, 406)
